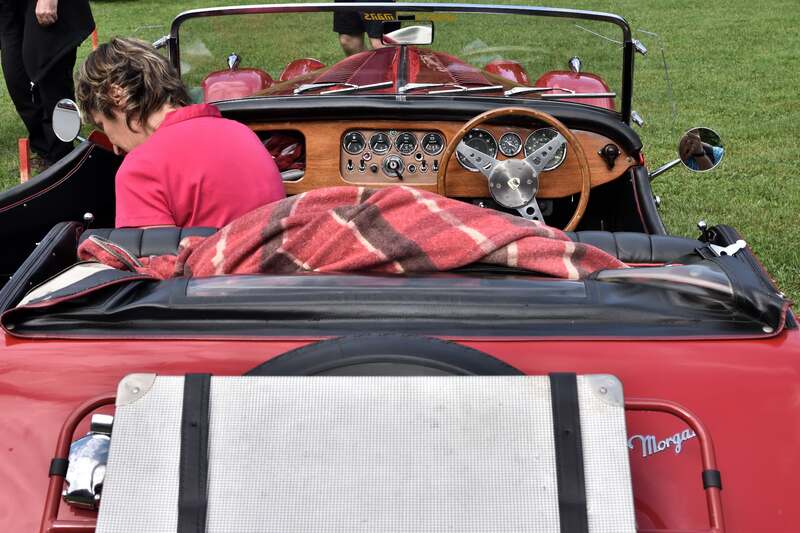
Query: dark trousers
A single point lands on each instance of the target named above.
(34, 103)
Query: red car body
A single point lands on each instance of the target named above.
(745, 391)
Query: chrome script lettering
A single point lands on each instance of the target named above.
(651, 446)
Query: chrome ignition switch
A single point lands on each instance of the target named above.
(88, 457)
(393, 166)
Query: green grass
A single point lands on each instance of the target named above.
(732, 66)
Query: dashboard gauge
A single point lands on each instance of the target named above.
(405, 143)
(480, 140)
(433, 143)
(539, 138)
(353, 143)
(380, 143)
(510, 144)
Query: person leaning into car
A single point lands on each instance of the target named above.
(185, 165)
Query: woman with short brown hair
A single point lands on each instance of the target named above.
(185, 164)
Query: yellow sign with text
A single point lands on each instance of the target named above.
(378, 17)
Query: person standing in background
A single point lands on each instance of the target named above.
(38, 43)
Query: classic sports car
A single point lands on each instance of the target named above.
(518, 111)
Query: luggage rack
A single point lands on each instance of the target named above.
(710, 474)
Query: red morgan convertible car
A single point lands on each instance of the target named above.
(465, 118)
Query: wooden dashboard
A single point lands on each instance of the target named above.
(328, 164)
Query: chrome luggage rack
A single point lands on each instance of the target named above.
(710, 474)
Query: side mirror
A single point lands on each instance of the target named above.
(700, 149)
(419, 32)
(66, 120)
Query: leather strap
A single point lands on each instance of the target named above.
(193, 485)
(569, 453)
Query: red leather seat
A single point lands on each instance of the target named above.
(233, 84)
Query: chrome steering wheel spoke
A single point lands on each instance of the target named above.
(531, 211)
(539, 159)
(484, 163)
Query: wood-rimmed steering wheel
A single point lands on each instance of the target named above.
(514, 182)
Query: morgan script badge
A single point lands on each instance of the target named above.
(651, 446)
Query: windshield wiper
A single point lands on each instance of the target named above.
(525, 90)
(461, 89)
(311, 86)
(566, 93)
(413, 85)
(352, 87)
(348, 87)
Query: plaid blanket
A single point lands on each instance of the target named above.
(350, 229)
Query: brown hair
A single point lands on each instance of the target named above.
(145, 77)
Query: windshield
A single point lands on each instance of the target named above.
(434, 50)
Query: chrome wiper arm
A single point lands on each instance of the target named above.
(525, 90)
(578, 95)
(414, 85)
(462, 89)
(311, 86)
(565, 93)
(352, 88)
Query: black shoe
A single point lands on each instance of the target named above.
(38, 164)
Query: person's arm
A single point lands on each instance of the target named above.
(46, 12)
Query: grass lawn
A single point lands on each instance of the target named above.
(732, 67)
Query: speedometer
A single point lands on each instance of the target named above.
(480, 140)
(539, 138)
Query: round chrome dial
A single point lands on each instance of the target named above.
(539, 138)
(510, 144)
(353, 143)
(433, 143)
(405, 143)
(380, 143)
(480, 140)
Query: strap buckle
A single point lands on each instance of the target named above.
(728, 250)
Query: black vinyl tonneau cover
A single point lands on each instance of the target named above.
(113, 303)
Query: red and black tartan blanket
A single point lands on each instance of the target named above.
(350, 229)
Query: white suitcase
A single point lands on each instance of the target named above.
(463, 454)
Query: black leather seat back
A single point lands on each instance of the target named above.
(628, 247)
(150, 241)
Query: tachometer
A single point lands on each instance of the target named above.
(480, 140)
(405, 143)
(539, 138)
(510, 144)
(353, 143)
(380, 143)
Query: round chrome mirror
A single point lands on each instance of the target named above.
(700, 149)
(66, 120)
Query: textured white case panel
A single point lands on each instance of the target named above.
(367, 454)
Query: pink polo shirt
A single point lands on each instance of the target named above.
(196, 169)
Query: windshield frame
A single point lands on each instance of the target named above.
(173, 42)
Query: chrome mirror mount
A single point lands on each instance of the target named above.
(66, 120)
(700, 150)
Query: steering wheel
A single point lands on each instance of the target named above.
(514, 182)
